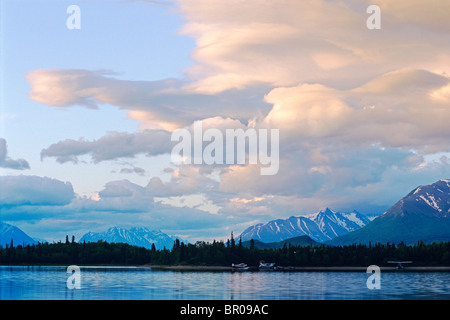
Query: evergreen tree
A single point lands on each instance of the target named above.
(232, 241)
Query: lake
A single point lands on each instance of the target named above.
(130, 283)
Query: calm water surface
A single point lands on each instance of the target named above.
(40, 282)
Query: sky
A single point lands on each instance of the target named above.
(86, 115)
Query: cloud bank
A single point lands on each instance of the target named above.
(34, 191)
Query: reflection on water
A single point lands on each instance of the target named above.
(42, 282)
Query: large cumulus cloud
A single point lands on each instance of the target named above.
(285, 43)
(405, 108)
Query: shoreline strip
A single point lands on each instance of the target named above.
(324, 269)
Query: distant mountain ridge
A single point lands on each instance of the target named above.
(137, 236)
(296, 241)
(321, 226)
(9, 232)
(422, 215)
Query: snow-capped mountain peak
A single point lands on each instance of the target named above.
(137, 236)
(432, 198)
(422, 215)
(320, 226)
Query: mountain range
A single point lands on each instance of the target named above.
(422, 215)
(321, 226)
(137, 236)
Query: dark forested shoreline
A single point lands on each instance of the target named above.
(219, 253)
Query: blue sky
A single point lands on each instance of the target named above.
(35, 37)
(86, 115)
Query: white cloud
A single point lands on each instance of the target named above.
(287, 43)
(164, 104)
(405, 108)
(432, 14)
(7, 162)
(114, 145)
(34, 191)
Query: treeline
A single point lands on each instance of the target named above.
(67, 253)
(224, 254)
